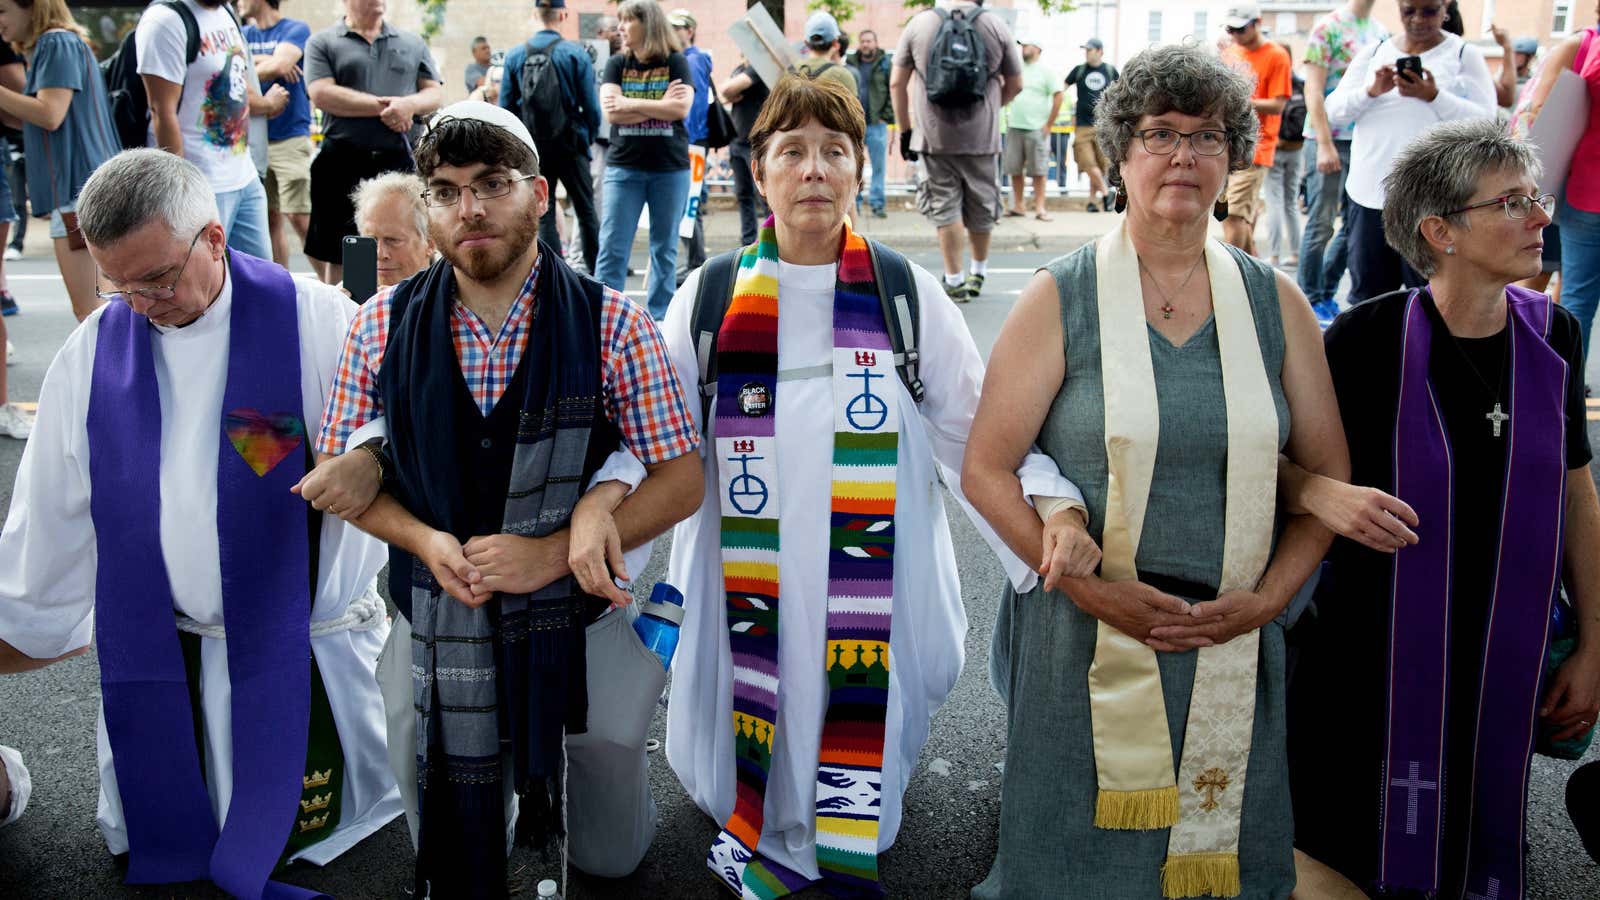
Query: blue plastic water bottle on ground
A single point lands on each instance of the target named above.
(658, 622)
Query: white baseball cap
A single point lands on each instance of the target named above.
(490, 114)
(1241, 15)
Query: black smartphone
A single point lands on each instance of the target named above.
(360, 267)
(1408, 63)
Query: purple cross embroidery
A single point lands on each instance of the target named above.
(1493, 891)
(1414, 785)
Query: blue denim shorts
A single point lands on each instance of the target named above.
(8, 212)
(58, 228)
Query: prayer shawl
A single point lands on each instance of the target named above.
(511, 672)
(860, 570)
(1133, 752)
(266, 575)
(1525, 583)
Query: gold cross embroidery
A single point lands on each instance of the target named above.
(1211, 781)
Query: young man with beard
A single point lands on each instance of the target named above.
(497, 417)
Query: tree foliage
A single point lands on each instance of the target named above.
(841, 10)
(1045, 6)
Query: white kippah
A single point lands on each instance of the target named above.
(489, 113)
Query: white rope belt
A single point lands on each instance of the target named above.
(364, 613)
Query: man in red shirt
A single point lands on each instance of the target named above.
(1269, 64)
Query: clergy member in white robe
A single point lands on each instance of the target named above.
(48, 554)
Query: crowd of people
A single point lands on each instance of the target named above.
(1245, 550)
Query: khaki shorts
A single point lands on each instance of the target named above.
(960, 187)
(1086, 150)
(1027, 153)
(1244, 193)
(289, 175)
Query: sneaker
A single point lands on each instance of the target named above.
(960, 293)
(1092, 206)
(8, 304)
(15, 423)
(1327, 311)
(878, 213)
(1108, 204)
(13, 253)
(974, 285)
(11, 352)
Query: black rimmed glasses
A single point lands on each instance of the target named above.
(1518, 206)
(161, 291)
(1165, 141)
(485, 188)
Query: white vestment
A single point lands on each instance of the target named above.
(48, 555)
(926, 646)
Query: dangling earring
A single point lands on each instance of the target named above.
(1119, 196)
(1219, 210)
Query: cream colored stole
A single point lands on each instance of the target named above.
(1132, 746)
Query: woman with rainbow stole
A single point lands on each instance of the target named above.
(800, 700)
(1164, 372)
(1423, 684)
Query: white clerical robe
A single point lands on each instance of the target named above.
(48, 556)
(926, 645)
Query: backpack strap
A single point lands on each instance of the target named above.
(191, 28)
(711, 300)
(897, 294)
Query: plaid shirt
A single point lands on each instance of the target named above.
(642, 397)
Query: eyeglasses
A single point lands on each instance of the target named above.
(1518, 206)
(485, 188)
(1165, 141)
(1239, 30)
(159, 292)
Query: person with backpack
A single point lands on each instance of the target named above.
(646, 96)
(807, 347)
(822, 48)
(200, 85)
(66, 129)
(953, 70)
(549, 83)
(1282, 189)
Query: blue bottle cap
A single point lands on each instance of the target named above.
(666, 593)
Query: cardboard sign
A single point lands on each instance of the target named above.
(762, 42)
(697, 178)
(1558, 129)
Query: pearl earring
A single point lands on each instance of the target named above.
(1450, 251)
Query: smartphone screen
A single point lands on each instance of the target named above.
(360, 267)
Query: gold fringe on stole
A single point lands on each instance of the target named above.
(1200, 875)
(1143, 810)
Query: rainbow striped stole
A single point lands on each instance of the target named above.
(860, 571)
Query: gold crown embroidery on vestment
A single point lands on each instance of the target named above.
(318, 801)
(317, 779)
(313, 823)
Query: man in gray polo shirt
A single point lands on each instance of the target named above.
(373, 84)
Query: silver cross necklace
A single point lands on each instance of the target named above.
(1497, 416)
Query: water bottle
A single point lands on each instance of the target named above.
(659, 618)
(548, 890)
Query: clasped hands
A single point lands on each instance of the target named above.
(397, 113)
(1159, 620)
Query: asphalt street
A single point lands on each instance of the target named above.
(952, 808)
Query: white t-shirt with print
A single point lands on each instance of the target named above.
(214, 112)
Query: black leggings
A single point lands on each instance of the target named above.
(338, 167)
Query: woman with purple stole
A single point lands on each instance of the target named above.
(1422, 682)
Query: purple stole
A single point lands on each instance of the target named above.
(1519, 613)
(261, 529)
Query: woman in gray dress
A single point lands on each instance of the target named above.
(1146, 702)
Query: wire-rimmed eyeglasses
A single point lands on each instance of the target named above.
(1518, 206)
(161, 291)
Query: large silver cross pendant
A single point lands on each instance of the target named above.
(1497, 417)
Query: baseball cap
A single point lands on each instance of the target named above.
(1094, 44)
(682, 18)
(1242, 15)
(551, 4)
(1526, 45)
(1029, 42)
(822, 26)
(488, 113)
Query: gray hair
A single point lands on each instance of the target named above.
(136, 187)
(372, 191)
(1177, 78)
(1438, 172)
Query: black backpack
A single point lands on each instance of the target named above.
(130, 107)
(1293, 126)
(897, 295)
(958, 64)
(544, 103)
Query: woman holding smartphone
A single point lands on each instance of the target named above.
(1392, 92)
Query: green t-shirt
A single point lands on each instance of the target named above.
(1031, 109)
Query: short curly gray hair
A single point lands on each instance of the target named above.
(1438, 172)
(1177, 78)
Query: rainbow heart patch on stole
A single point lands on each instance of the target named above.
(263, 441)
